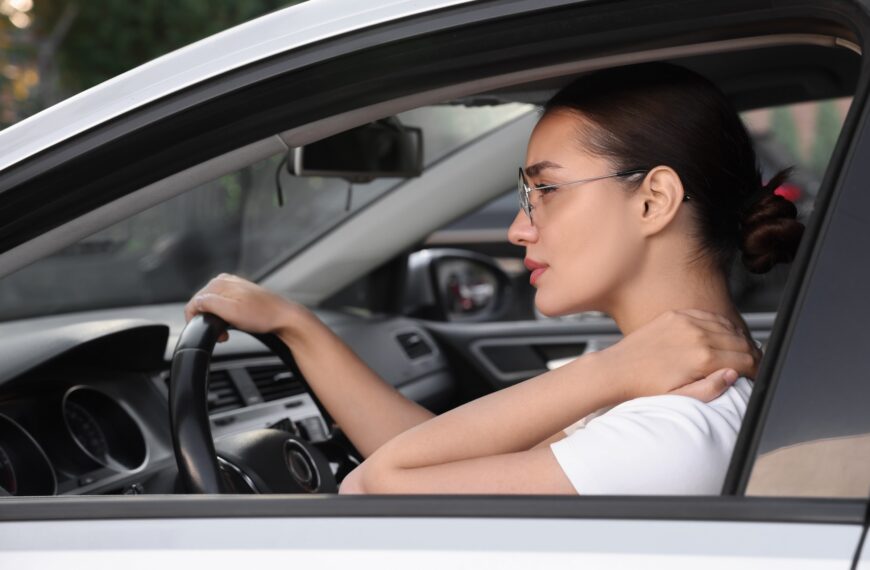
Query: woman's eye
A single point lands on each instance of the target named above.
(544, 188)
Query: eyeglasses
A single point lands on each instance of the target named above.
(524, 190)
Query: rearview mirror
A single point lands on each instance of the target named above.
(385, 148)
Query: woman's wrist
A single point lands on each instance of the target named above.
(614, 382)
(292, 321)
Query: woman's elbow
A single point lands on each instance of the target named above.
(352, 484)
(369, 478)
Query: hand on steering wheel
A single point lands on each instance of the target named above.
(265, 459)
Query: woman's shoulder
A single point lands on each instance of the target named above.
(658, 444)
(725, 412)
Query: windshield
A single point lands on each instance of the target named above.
(232, 224)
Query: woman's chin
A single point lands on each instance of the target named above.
(552, 307)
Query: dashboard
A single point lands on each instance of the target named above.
(84, 397)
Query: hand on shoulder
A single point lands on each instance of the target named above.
(688, 352)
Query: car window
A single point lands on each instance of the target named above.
(815, 439)
(232, 224)
(801, 136)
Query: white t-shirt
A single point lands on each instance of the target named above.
(658, 445)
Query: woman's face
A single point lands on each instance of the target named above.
(583, 236)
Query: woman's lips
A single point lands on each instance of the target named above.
(536, 274)
(536, 267)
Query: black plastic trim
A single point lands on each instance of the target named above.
(797, 285)
(741, 509)
(859, 549)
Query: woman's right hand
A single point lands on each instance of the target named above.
(243, 305)
(689, 352)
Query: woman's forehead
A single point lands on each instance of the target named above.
(554, 144)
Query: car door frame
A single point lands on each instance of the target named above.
(41, 176)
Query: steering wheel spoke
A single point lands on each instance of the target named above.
(263, 460)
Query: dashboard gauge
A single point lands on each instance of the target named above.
(7, 473)
(86, 431)
(24, 467)
(102, 430)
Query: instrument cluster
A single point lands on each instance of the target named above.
(83, 434)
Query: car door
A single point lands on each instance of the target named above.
(819, 336)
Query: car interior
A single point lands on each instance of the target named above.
(93, 310)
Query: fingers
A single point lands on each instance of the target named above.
(746, 364)
(219, 305)
(711, 326)
(218, 285)
(710, 387)
(722, 334)
(231, 277)
(732, 342)
(209, 303)
(708, 316)
(698, 319)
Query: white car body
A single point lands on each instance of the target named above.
(170, 531)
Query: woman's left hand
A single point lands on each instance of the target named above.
(710, 387)
(689, 352)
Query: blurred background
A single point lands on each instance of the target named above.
(52, 49)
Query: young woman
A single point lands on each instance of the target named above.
(639, 187)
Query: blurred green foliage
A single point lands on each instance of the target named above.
(828, 122)
(53, 49)
(784, 128)
(108, 37)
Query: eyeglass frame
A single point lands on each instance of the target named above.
(524, 190)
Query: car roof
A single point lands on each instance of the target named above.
(274, 33)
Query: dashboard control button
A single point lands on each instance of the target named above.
(134, 489)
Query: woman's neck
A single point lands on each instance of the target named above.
(644, 299)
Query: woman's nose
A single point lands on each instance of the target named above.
(521, 231)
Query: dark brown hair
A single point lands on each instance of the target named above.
(658, 114)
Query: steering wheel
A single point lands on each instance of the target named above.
(254, 461)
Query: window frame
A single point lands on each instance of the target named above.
(706, 508)
(184, 118)
(840, 182)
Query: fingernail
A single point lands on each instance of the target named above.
(730, 375)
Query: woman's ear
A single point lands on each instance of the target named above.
(659, 197)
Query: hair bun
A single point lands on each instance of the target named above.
(770, 232)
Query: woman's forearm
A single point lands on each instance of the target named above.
(369, 410)
(511, 420)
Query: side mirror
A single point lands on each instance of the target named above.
(455, 285)
(384, 148)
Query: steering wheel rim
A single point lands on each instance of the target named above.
(192, 440)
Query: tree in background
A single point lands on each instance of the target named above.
(828, 123)
(18, 75)
(785, 130)
(68, 46)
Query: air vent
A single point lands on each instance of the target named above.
(222, 392)
(414, 345)
(275, 382)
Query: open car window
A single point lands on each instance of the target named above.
(232, 224)
(799, 136)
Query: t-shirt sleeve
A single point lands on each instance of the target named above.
(660, 445)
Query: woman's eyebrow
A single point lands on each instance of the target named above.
(536, 168)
